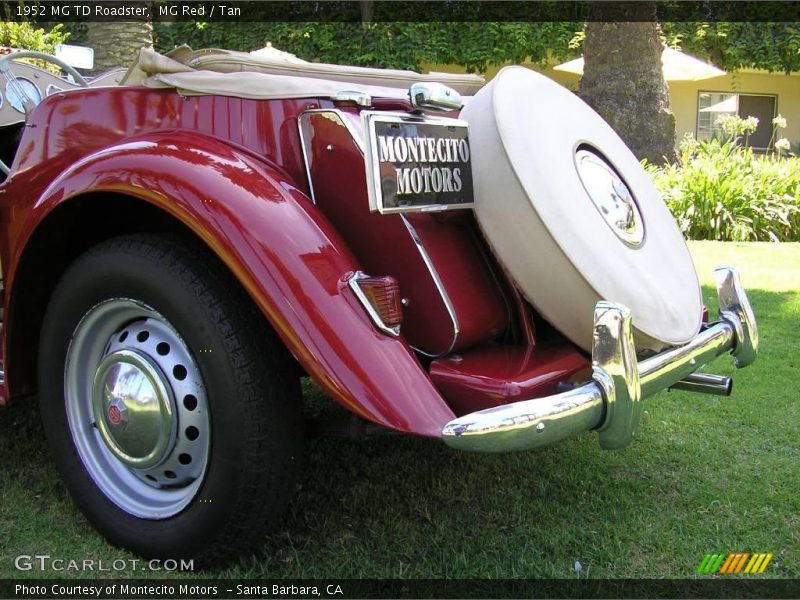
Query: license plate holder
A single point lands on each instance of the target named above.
(417, 163)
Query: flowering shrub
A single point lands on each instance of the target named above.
(736, 127)
(720, 190)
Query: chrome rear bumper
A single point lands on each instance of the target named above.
(611, 402)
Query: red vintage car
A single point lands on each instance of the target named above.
(485, 265)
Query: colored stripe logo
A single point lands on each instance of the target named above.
(734, 563)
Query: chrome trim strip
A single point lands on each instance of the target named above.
(439, 286)
(373, 314)
(610, 402)
(306, 153)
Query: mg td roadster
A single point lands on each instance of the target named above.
(485, 265)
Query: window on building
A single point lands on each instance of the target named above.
(711, 105)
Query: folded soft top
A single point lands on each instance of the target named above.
(270, 73)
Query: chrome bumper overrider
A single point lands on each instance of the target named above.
(611, 403)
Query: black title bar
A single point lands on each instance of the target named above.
(179, 589)
(394, 11)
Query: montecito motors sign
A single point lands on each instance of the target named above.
(419, 164)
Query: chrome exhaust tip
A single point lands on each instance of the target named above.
(705, 383)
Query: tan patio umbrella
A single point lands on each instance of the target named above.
(677, 67)
(269, 52)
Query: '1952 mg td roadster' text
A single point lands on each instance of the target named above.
(487, 265)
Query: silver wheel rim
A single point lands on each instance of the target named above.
(137, 409)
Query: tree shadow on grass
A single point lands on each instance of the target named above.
(23, 447)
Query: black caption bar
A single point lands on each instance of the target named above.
(181, 589)
(394, 10)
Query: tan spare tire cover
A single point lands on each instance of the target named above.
(543, 214)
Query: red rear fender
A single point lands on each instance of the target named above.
(282, 251)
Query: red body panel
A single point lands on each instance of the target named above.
(495, 375)
(69, 126)
(285, 254)
(385, 244)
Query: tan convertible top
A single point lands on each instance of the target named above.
(270, 73)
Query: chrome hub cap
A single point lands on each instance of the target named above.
(137, 409)
(611, 196)
(133, 409)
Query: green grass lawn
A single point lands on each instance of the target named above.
(705, 475)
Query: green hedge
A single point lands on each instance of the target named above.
(720, 190)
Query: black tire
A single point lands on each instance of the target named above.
(254, 400)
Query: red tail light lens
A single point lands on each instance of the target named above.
(380, 296)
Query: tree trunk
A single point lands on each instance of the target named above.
(624, 82)
(367, 10)
(116, 44)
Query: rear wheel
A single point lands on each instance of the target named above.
(169, 403)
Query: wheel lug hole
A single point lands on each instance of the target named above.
(150, 477)
(179, 372)
(162, 348)
(189, 402)
(142, 336)
(170, 475)
(192, 433)
(123, 336)
(184, 459)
